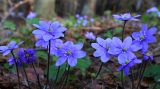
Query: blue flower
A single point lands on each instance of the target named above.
(9, 47)
(126, 17)
(11, 62)
(90, 35)
(85, 23)
(70, 52)
(123, 50)
(42, 43)
(49, 30)
(128, 63)
(31, 15)
(56, 46)
(102, 46)
(153, 10)
(147, 56)
(92, 20)
(26, 56)
(77, 15)
(144, 37)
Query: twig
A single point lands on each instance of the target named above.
(17, 5)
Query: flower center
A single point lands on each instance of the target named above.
(27, 55)
(127, 61)
(69, 53)
(124, 49)
(142, 37)
(59, 47)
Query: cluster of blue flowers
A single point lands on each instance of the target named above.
(26, 56)
(83, 21)
(125, 50)
(48, 36)
(51, 31)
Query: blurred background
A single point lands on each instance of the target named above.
(65, 8)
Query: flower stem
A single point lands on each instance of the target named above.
(66, 79)
(16, 68)
(24, 70)
(123, 33)
(132, 79)
(123, 30)
(122, 79)
(49, 48)
(99, 70)
(142, 74)
(37, 75)
(140, 69)
(63, 75)
(57, 74)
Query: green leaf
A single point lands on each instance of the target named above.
(42, 54)
(53, 71)
(117, 30)
(83, 64)
(153, 71)
(25, 31)
(9, 25)
(33, 21)
(108, 34)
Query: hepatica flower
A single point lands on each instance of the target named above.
(42, 43)
(153, 10)
(85, 23)
(102, 46)
(144, 37)
(123, 49)
(31, 15)
(128, 63)
(9, 47)
(11, 61)
(90, 35)
(26, 56)
(70, 52)
(56, 46)
(49, 30)
(83, 20)
(126, 17)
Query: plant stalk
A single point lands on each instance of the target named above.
(17, 70)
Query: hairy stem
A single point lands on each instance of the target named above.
(142, 74)
(24, 70)
(123, 30)
(132, 79)
(99, 70)
(66, 79)
(37, 75)
(123, 33)
(57, 74)
(49, 48)
(122, 79)
(17, 70)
